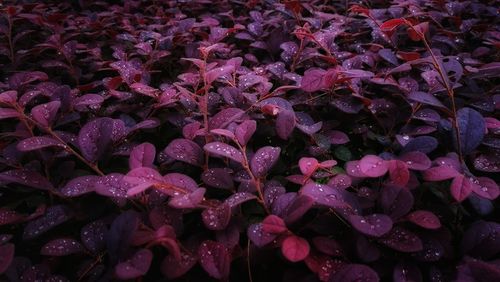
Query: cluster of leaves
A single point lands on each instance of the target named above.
(249, 140)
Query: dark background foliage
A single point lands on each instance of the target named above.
(249, 140)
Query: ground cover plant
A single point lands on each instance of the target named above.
(249, 140)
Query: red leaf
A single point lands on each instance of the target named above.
(391, 24)
(295, 248)
(398, 172)
(425, 219)
(461, 187)
(273, 224)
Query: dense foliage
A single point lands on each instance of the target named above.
(256, 140)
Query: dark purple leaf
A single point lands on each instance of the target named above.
(218, 178)
(425, 98)
(45, 114)
(258, 236)
(461, 187)
(217, 218)
(264, 159)
(112, 185)
(402, 240)
(61, 247)
(173, 268)
(186, 151)
(38, 142)
(136, 266)
(215, 259)
(98, 135)
(285, 123)
(239, 198)
(25, 177)
(471, 127)
(93, 236)
(355, 273)
(53, 217)
(6, 256)
(245, 130)
(79, 186)
(375, 225)
(120, 234)
(324, 195)
(223, 150)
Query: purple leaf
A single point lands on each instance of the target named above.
(218, 72)
(38, 142)
(299, 206)
(142, 156)
(416, 160)
(285, 123)
(375, 225)
(295, 248)
(223, 150)
(245, 130)
(26, 177)
(53, 217)
(180, 180)
(45, 114)
(218, 177)
(97, 136)
(215, 259)
(79, 186)
(461, 187)
(324, 195)
(112, 185)
(8, 113)
(337, 137)
(185, 150)
(141, 179)
(93, 236)
(313, 80)
(486, 188)
(425, 98)
(439, 173)
(61, 247)
(424, 144)
(396, 201)
(402, 240)
(406, 272)
(471, 127)
(264, 159)
(355, 273)
(258, 236)
(173, 268)
(144, 89)
(6, 256)
(224, 117)
(136, 266)
(217, 218)
(120, 234)
(239, 198)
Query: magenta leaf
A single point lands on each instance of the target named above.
(217, 218)
(273, 225)
(188, 201)
(45, 114)
(185, 150)
(142, 156)
(416, 160)
(264, 159)
(308, 165)
(440, 173)
(461, 187)
(223, 150)
(375, 225)
(373, 166)
(136, 266)
(425, 219)
(79, 186)
(295, 248)
(145, 90)
(141, 179)
(61, 247)
(486, 188)
(6, 256)
(112, 185)
(8, 113)
(38, 142)
(180, 180)
(215, 259)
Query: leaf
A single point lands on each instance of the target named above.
(461, 187)
(140, 179)
(273, 224)
(180, 180)
(416, 160)
(486, 188)
(258, 236)
(112, 185)
(37, 143)
(120, 234)
(396, 201)
(145, 90)
(215, 259)
(217, 218)
(96, 137)
(425, 219)
(61, 247)
(136, 266)
(223, 150)
(295, 248)
(299, 206)
(188, 201)
(218, 72)
(79, 186)
(93, 236)
(53, 217)
(424, 144)
(425, 98)
(402, 240)
(264, 159)
(439, 173)
(373, 166)
(355, 273)
(471, 127)
(142, 155)
(6, 256)
(8, 113)
(8, 216)
(26, 177)
(391, 24)
(224, 117)
(324, 195)
(398, 172)
(45, 114)
(312, 80)
(239, 198)
(375, 225)
(245, 130)
(285, 123)
(173, 267)
(185, 150)
(218, 177)
(308, 165)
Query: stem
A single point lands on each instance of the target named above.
(449, 89)
(248, 262)
(11, 47)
